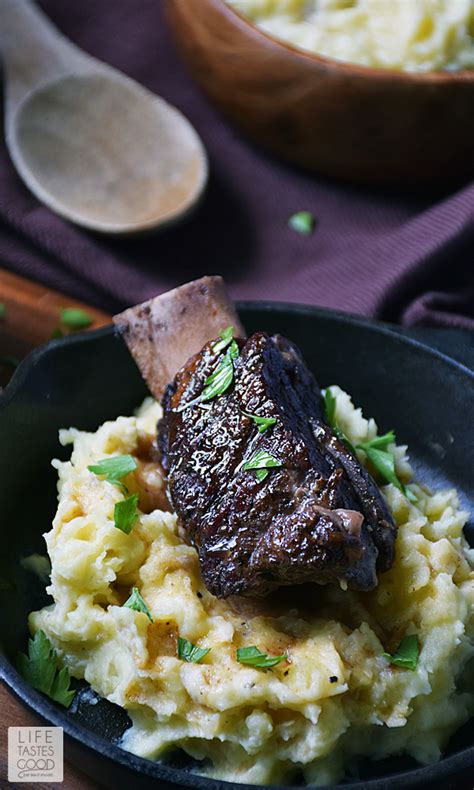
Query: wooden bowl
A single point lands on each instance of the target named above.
(350, 122)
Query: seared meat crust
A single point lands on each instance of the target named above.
(318, 518)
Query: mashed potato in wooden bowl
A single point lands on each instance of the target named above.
(410, 35)
(334, 696)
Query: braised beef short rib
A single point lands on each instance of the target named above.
(317, 517)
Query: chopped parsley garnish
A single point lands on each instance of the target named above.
(225, 339)
(113, 469)
(330, 412)
(406, 654)
(262, 423)
(219, 381)
(379, 442)
(74, 318)
(262, 462)
(126, 514)
(40, 669)
(3, 310)
(330, 407)
(189, 652)
(384, 462)
(255, 658)
(376, 449)
(302, 222)
(137, 603)
(56, 333)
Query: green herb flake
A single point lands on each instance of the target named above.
(254, 658)
(406, 654)
(329, 402)
(225, 339)
(56, 333)
(113, 469)
(343, 438)
(262, 423)
(40, 669)
(137, 603)
(379, 442)
(74, 318)
(302, 222)
(219, 381)
(262, 462)
(189, 652)
(330, 408)
(233, 351)
(3, 310)
(384, 463)
(126, 514)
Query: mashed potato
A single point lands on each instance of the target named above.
(412, 35)
(335, 696)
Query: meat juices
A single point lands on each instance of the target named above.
(319, 517)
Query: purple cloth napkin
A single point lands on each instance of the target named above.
(397, 257)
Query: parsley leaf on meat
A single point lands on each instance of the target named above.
(262, 423)
(219, 381)
(262, 462)
(225, 339)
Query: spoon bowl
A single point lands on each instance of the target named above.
(116, 176)
(90, 143)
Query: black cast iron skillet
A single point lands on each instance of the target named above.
(83, 380)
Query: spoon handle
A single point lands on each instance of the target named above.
(33, 51)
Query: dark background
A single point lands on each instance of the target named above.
(400, 257)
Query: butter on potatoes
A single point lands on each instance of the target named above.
(409, 35)
(334, 697)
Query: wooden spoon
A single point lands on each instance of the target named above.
(31, 312)
(90, 143)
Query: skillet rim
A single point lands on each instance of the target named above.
(394, 331)
(448, 767)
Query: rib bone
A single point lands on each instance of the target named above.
(163, 333)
